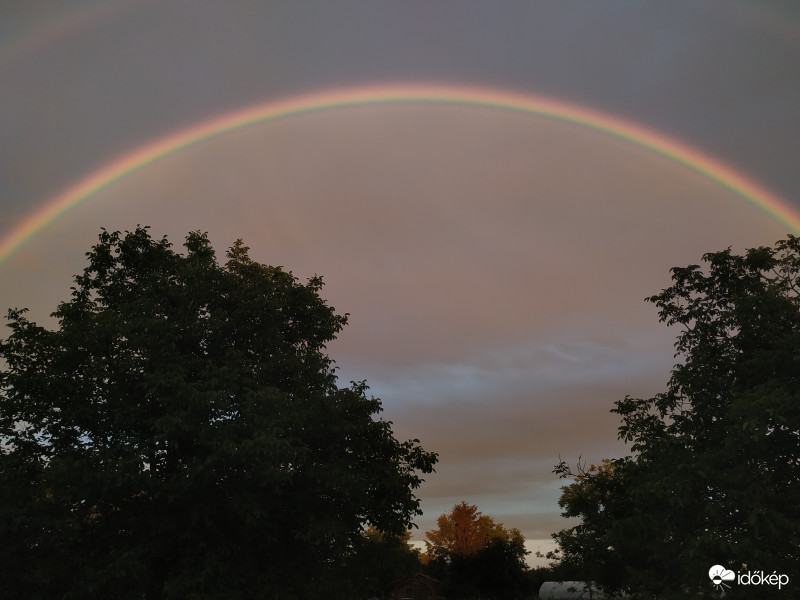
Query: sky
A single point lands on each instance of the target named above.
(489, 189)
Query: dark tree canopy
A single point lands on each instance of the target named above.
(181, 434)
(715, 475)
(380, 562)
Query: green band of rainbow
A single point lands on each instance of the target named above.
(693, 159)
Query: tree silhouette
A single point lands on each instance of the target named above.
(475, 556)
(715, 475)
(181, 434)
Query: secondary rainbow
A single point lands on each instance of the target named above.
(541, 106)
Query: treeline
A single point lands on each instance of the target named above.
(472, 556)
(468, 556)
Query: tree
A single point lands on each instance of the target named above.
(598, 497)
(715, 475)
(475, 555)
(181, 434)
(462, 532)
(380, 561)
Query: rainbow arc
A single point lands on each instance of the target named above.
(558, 110)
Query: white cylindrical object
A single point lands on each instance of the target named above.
(556, 590)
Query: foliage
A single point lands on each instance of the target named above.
(181, 434)
(462, 532)
(598, 497)
(381, 559)
(715, 478)
(475, 556)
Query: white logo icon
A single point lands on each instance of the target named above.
(719, 575)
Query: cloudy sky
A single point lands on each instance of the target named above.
(494, 261)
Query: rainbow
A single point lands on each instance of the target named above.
(427, 94)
